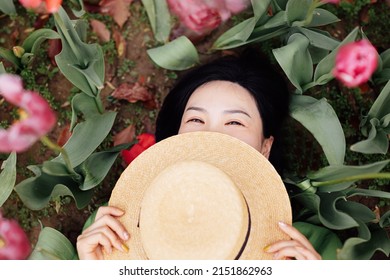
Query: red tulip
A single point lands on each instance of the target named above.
(14, 243)
(355, 63)
(36, 121)
(202, 16)
(145, 140)
(52, 6)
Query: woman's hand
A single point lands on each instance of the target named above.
(298, 247)
(105, 232)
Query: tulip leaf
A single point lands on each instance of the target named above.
(295, 60)
(356, 210)
(32, 43)
(9, 55)
(276, 20)
(36, 192)
(81, 11)
(330, 216)
(236, 35)
(85, 104)
(385, 220)
(86, 137)
(324, 241)
(376, 125)
(88, 59)
(323, 71)
(7, 177)
(260, 7)
(179, 54)
(2, 69)
(356, 248)
(335, 172)
(319, 39)
(296, 11)
(320, 118)
(159, 18)
(322, 17)
(367, 192)
(53, 245)
(280, 4)
(7, 7)
(96, 167)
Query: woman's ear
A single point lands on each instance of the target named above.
(266, 146)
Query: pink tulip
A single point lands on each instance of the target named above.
(39, 119)
(14, 243)
(203, 16)
(355, 63)
(52, 6)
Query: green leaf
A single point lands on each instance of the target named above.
(323, 72)
(86, 59)
(322, 17)
(55, 168)
(159, 18)
(36, 192)
(278, 19)
(236, 35)
(318, 39)
(9, 55)
(7, 177)
(321, 120)
(330, 216)
(385, 220)
(295, 60)
(260, 7)
(2, 69)
(81, 11)
(7, 7)
(381, 106)
(85, 104)
(335, 172)
(377, 123)
(324, 241)
(377, 141)
(356, 210)
(356, 248)
(296, 11)
(366, 192)
(96, 167)
(280, 4)
(86, 137)
(32, 43)
(53, 245)
(179, 54)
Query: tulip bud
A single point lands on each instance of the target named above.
(18, 51)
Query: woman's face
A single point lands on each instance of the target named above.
(226, 107)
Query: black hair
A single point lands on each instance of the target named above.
(251, 70)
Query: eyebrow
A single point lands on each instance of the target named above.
(233, 111)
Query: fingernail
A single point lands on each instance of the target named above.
(266, 248)
(282, 224)
(125, 248)
(126, 236)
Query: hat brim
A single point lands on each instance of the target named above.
(260, 184)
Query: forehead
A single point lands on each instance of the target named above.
(223, 91)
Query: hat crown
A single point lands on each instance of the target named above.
(193, 210)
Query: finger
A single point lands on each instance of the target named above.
(289, 252)
(295, 235)
(89, 247)
(108, 210)
(108, 236)
(111, 222)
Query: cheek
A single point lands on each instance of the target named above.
(250, 139)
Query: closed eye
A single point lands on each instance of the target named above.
(234, 123)
(195, 120)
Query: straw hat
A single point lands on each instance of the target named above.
(200, 195)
